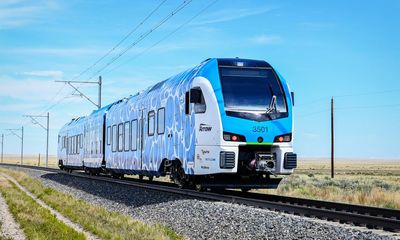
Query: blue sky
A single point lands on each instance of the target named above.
(346, 49)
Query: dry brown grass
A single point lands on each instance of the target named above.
(366, 182)
(32, 160)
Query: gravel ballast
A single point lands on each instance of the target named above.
(199, 219)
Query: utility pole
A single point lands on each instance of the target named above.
(100, 83)
(332, 142)
(81, 94)
(2, 146)
(34, 121)
(22, 140)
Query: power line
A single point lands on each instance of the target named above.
(164, 38)
(350, 95)
(143, 36)
(369, 107)
(121, 41)
(367, 93)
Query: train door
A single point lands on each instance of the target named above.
(188, 151)
(67, 150)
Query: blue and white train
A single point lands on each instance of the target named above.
(226, 123)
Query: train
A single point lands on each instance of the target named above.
(225, 123)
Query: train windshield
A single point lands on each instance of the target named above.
(256, 90)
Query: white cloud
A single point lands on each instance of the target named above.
(232, 14)
(265, 39)
(28, 89)
(47, 74)
(16, 13)
(68, 52)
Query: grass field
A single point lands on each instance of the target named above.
(95, 219)
(31, 160)
(36, 221)
(367, 182)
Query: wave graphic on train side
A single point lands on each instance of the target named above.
(226, 123)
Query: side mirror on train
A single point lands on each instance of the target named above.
(292, 94)
(195, 95)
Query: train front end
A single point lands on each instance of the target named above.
(245, 133)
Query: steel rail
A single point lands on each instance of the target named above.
(370, 217)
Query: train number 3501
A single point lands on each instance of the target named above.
(260, 129)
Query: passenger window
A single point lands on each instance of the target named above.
(120, 137)
(108, 135)
(151, 123)
(73, 145)
(81, 140)
(77, 144)
(161, 120)
(127, 136)
(196, 97)
(187, 103)
(114, 138)
(134, 135)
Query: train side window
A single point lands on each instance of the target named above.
(161, 121)
(127, 134)
(196, 97)
(81, 140)
(120, 137)
(108, 135)
(134, 126)
(187, 103)
(73, 145)
(151, 123)
(114, 138)
(69, 145)
(78, 143)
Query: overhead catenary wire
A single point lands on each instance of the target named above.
(121, 41)
(141, 37)
(164, 38)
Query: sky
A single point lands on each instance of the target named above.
(348, 50)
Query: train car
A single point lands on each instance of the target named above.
(70, 144)
(226, 123)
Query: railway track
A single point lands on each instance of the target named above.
(370, 217)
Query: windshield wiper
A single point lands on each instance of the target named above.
(272, 105)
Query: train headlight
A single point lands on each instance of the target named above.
(283, 138)
(233, 137)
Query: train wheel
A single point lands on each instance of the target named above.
(245, 189)
(199, 187)
(151, 178)
(179, 177)
(140, 177)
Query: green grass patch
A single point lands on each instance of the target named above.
(36, 221)
(95, 219)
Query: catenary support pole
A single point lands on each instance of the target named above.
(332, 142)
(100, 83)
(2, 146)
(47, 143)
(22, 145)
